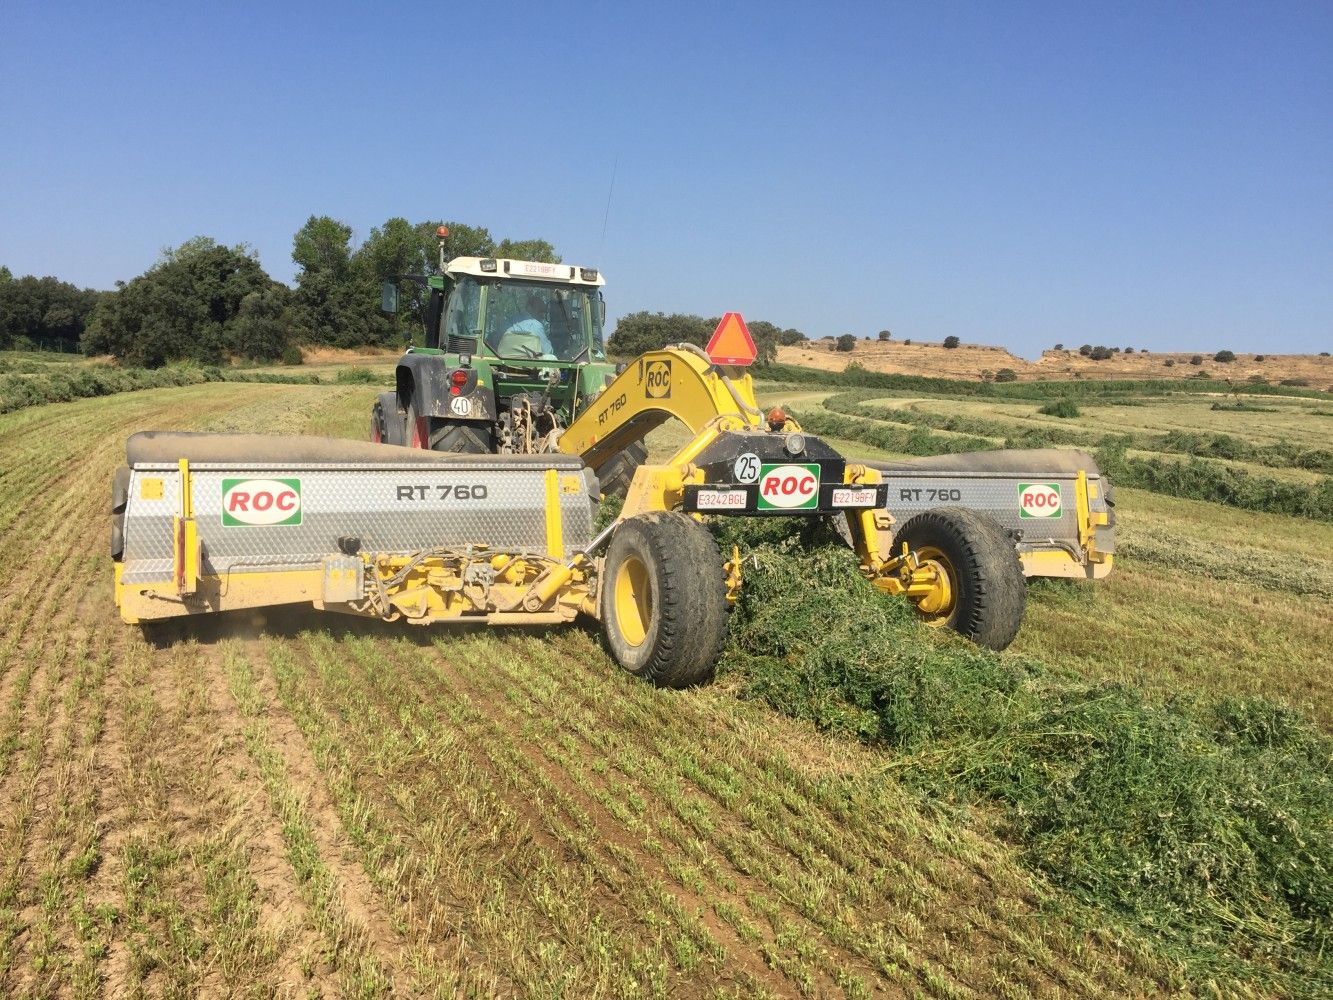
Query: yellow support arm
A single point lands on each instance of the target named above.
(679, 382)
(659, 385)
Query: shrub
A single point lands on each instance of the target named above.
(1059, 347)
(1258, 357)
(1201, 373)
(846, 342)
(951, 342)
(1224, 357)
(1295, 381)
(1197, 359)
(1006, 375)
(1100, 353)
(291, 355)
(1323, 354)
(1063, 408)
(1085, 350)
(884, 335)
(1129, 350)
(356, 375)
(1169, 363)
(907, 342)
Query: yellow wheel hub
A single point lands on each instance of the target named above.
(633, 601)
(938, 598)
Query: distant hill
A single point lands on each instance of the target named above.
(970, 361)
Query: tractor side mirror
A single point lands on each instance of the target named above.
(389, 297)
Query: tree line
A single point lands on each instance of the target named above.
(204, 301)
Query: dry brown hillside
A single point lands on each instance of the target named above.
(969, 361)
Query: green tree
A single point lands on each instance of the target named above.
(1225, 357)
(184, 307)
(846, 342)
(337, 292)
(951, 342)
(647, 331)
(262, 324)
(44, 311)
(884, 335)
(539, 250)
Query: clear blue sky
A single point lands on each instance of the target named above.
(1148, 175)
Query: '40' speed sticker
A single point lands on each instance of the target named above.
(1038, 499)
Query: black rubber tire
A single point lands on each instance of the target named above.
(460, 438)
(386, 422)
(617, 472)
(988, 577)
(687, 598)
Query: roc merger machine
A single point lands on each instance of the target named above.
(476, 499)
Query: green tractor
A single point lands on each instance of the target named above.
(513, 352)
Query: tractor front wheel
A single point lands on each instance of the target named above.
(663, 599)
(984, 591)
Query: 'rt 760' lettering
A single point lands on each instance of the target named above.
(931, 496)
(476, 491)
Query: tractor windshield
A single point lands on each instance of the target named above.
(537, 320)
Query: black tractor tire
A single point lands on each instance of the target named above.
(462, 438)
(617, 472)
(989, 589)
(663, 599)
(386, 422)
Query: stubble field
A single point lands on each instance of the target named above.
(300, 805)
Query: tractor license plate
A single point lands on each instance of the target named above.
(706, 499)
(854, 496)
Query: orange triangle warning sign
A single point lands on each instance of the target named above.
(731, 343)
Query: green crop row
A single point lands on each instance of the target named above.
(19, 391)
(1198, 479)
(1195, 479)
(1203, 823)
(1083, 389)
(1226, 446)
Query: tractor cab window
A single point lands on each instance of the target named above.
(461, 319)
(527, 320)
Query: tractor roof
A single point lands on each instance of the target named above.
(528, 270)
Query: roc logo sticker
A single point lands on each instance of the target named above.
(789, 487)
(261, 502)
(658, 379)
(1038, 499)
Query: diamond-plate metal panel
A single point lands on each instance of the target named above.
(995, 494)
(389, 510)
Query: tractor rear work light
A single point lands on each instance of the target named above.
(487, 265)
(588, 273)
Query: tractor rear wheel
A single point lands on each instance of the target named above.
(663, 599)
(617, 472)
(987, 591)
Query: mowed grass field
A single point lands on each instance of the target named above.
(292, 804)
